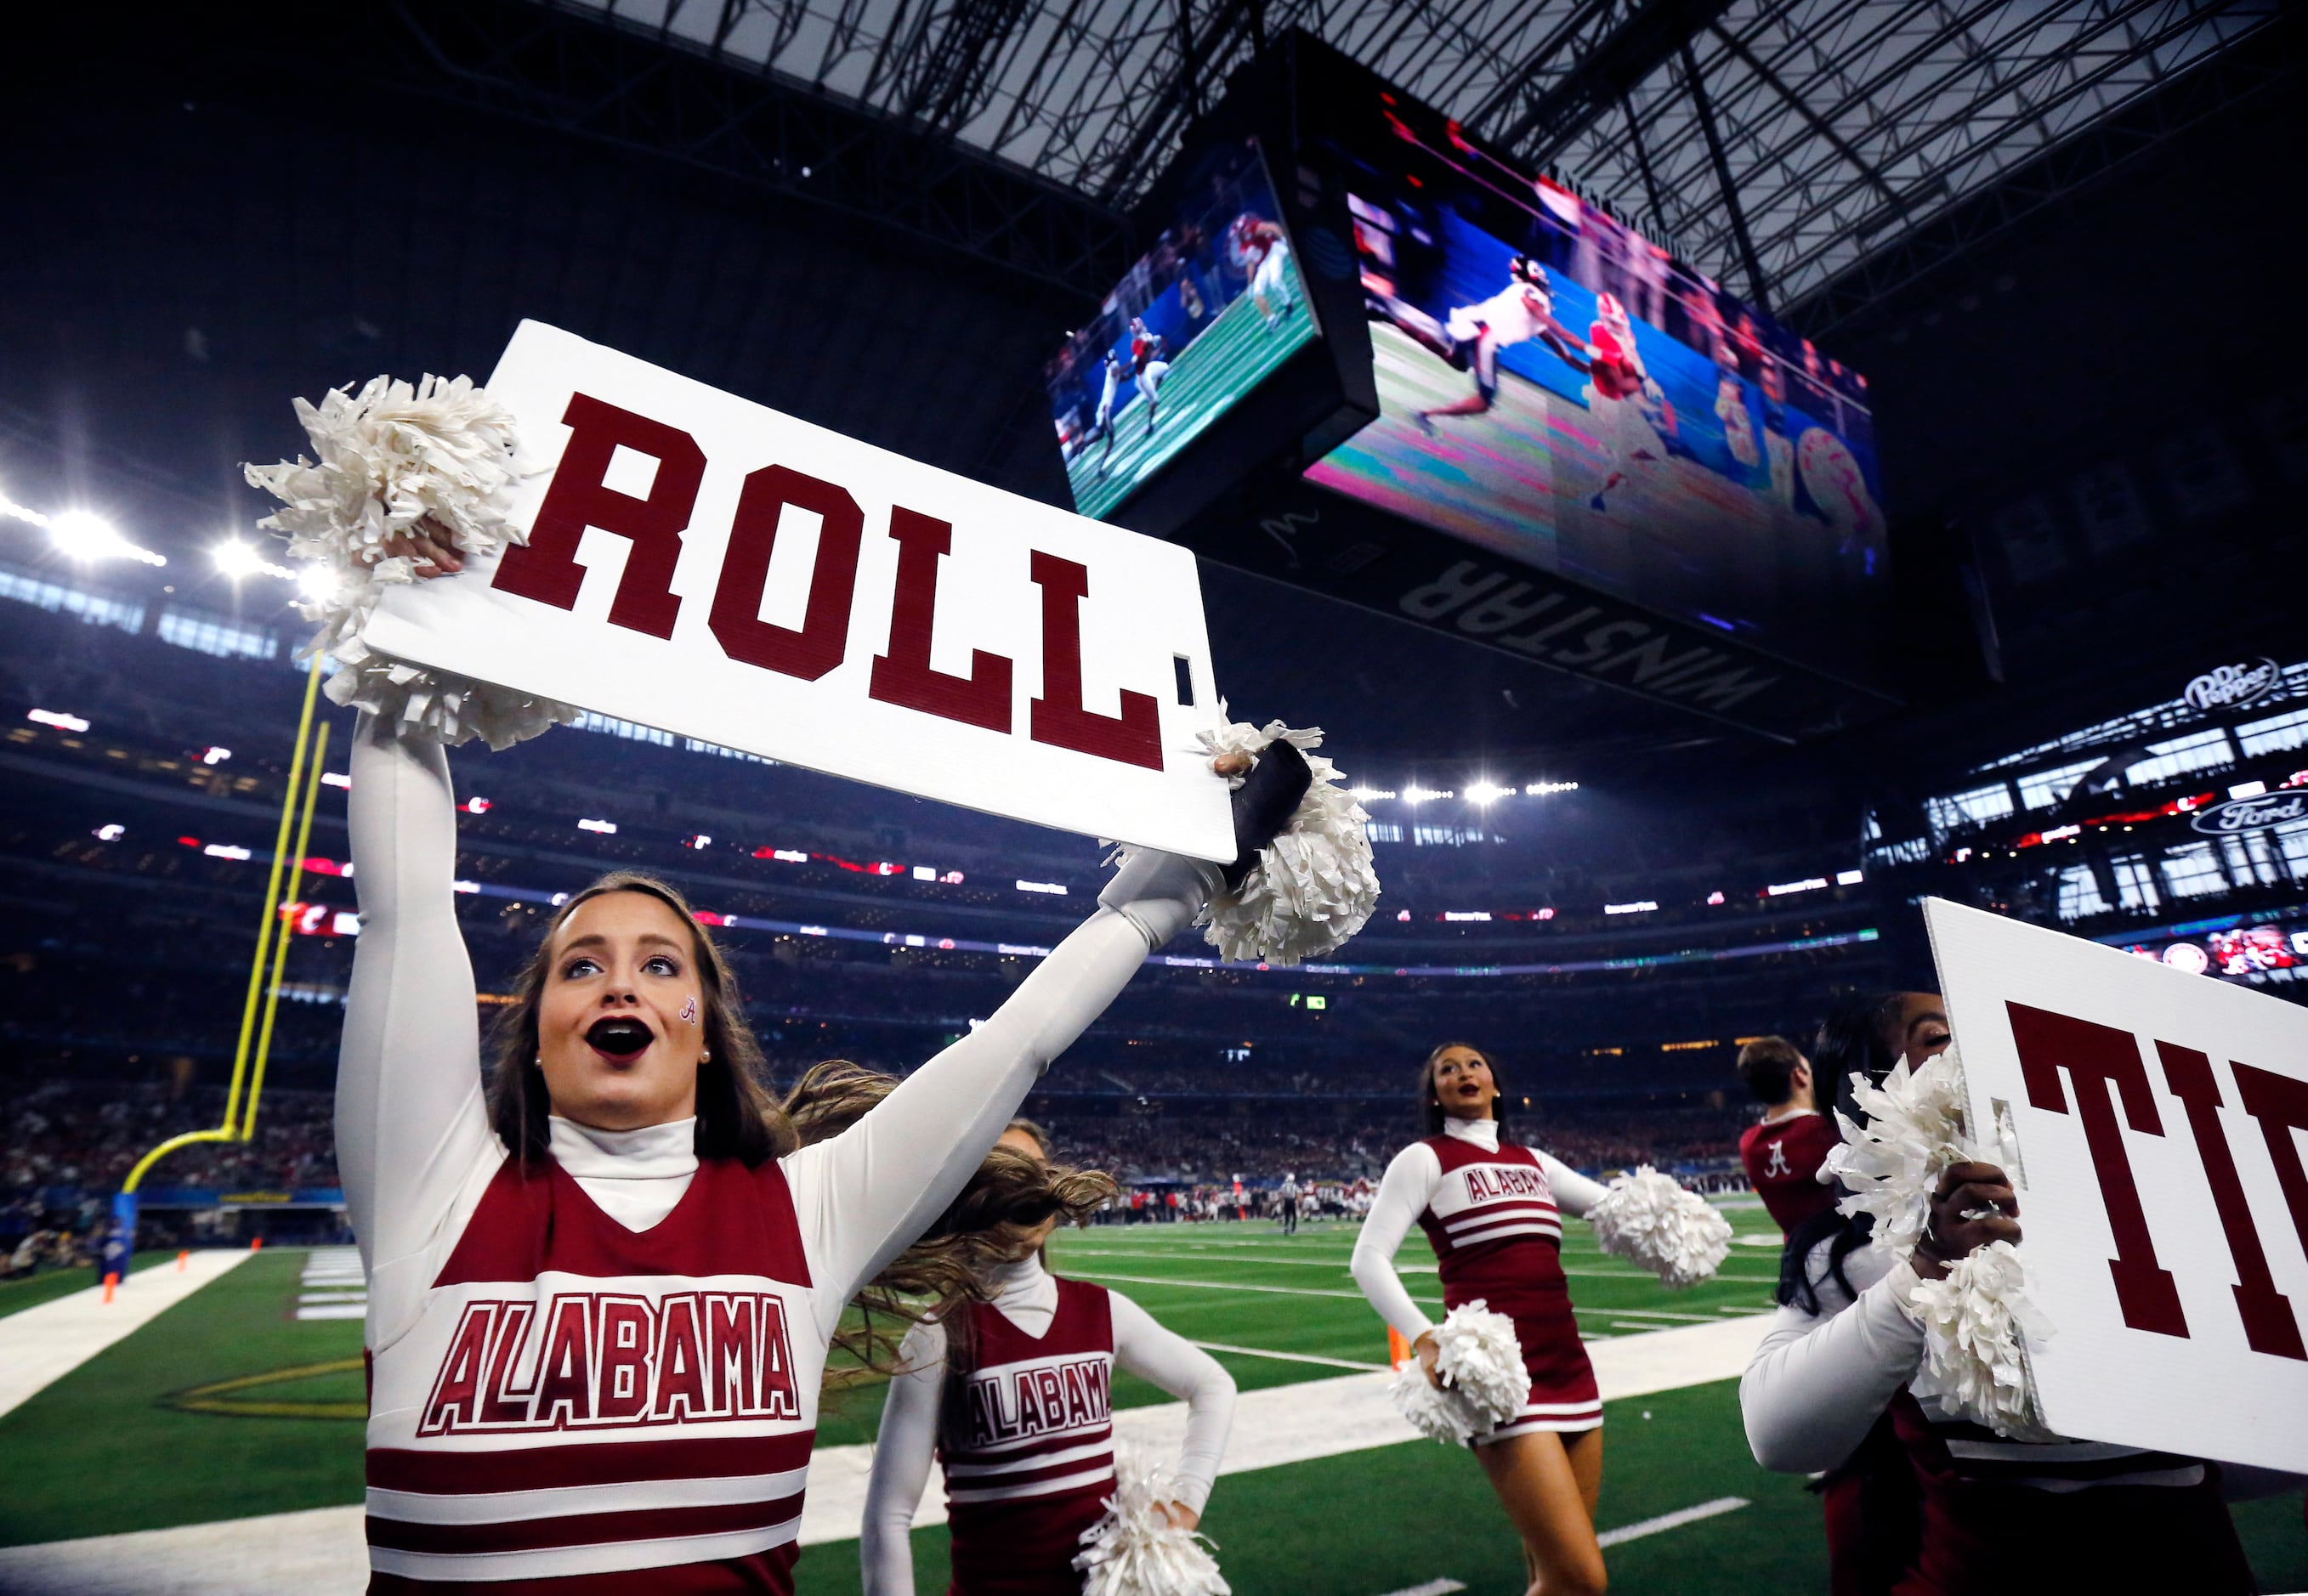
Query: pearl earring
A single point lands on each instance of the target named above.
(706, 1056)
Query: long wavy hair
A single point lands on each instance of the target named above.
(991, 1225)
(1430, 1106)
(736, 1115)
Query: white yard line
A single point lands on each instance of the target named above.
(1314, 1419)
(41, 1345)
(1221, 1346)
(321, 1551)
(1432, 1587)
(335, 1285)
(1227, 1285)
(1671, 1521)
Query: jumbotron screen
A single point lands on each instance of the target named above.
(1214, 307)
(1559, 390)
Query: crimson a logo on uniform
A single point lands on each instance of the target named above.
(608, 1360)
(1488, 1180)
(1008, 1404)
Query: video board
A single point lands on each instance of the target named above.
(1558, 390)
(1206, 315)
(2271, 954)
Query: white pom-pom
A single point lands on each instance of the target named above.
(1916, 1128)
(1676, 1234)
(1314, 886)
(1976, 1321)
(1136, 1550)
(1485, 1380)
(390, 456)
(1976, 1318)
(1434, 1412)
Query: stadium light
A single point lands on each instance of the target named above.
(1421, 794)
(111, 833)
(1641, 907)
(1484, 791)
(605, 827)
(1052, 888)
(215, 755)
(476, 805)
(1540, 789)
(56, 719)
(1365, 794)
(318, 583)
(81, 534)
(236, 560)
(1852, 877)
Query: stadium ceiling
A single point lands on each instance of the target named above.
(1788, 147)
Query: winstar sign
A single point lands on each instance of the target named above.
(2151, 1121)
(701, 564)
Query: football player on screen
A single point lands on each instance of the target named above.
(1630, 412)
(1149, 365)
(1473, 336)
(1258, 247)
(1105, 423)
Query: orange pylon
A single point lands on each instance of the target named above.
(1397, 1350)
(110, 1281)
(181, 1256)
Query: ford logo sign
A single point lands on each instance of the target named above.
(2250, 814)
(2229, 685)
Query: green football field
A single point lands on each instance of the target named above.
(227, 1406)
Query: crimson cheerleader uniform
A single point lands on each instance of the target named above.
(1493, 1210)
(1024, 1433)
(1027, 1443)
(599, 1372)
(1782, 1159)
(1938, 1506)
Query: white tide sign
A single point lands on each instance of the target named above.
(2152, 1122)
(701, 564)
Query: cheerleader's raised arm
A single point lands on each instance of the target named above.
(412, 1129)
(865, 1194)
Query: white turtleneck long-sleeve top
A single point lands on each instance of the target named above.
(1028, 1296)
(1403, 1195)
(415, 1149)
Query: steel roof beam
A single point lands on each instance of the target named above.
(1601, 78)
(619, 85)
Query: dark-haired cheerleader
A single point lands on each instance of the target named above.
(1492, 1209)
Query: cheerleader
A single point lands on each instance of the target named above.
(1490, 1208)
(603, 1278)
(1919, 1502)
(1011, 1393)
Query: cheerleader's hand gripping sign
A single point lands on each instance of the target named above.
(701, 564)
(2152, 1123)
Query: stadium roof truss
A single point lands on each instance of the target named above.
(1791, 147)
